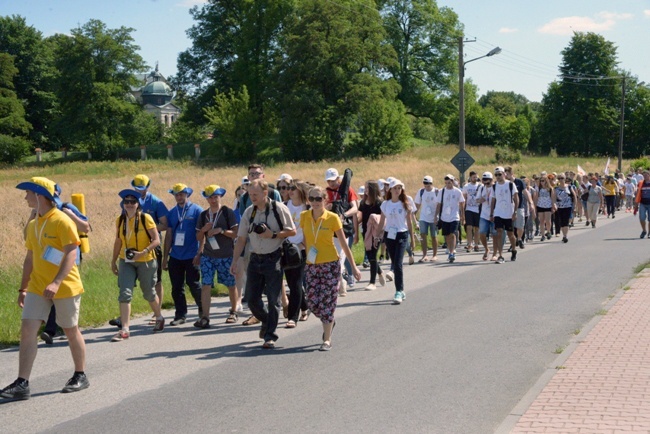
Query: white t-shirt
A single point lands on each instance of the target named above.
(411, 204)
(427, 204)
(629, 189)
(505, 205)
(395, 216)
(295, 216)
(451, 198)
(486, 193)
(638, 177)
(470, 191)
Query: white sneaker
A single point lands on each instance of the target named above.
(370, 287)
(382, 280)
(389, 276)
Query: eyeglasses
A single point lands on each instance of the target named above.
(315, 199)
(129, 202)
(293, 188)
(255, 174)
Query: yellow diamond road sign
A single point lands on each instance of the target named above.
(462, 161)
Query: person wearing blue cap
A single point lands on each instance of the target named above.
(50, 277)
(216, 230)
(152, 205)
(181, 250)
(135, 241)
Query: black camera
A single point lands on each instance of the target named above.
(130, 254)
(259, 228)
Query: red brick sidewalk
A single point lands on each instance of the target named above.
(604, 385)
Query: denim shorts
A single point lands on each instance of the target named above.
(427, 228)
(485, 227)
(644, 212)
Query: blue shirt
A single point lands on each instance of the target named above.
(183, 220)
(153, 206)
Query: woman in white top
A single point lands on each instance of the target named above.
(297, 203)
(544, 200)
(398, 228)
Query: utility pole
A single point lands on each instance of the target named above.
(620, 135)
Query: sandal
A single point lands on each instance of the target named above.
(232, 318)
(251, 320)
(424, 259)
(202, 323)
(485, 256)
(476, 249)
(305, 315)
(291, 324)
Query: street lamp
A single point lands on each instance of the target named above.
(622, 126)
(461, 98)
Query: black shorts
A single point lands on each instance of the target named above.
(449, 228)
(563, 216)
(543, 209)
(472, 218)
(501, 223)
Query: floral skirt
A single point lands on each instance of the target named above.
(322, 289)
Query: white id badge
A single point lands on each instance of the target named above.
(311, 256)
(179, 239)
(53, 255)
(213, 243)
(126, 258)
(392, 233)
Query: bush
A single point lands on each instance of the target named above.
(12, 149)
(641, 163)
(503, 155)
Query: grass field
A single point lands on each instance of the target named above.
(101, 181)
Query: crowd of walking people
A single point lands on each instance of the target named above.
(292, 231)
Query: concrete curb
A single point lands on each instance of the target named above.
(522, 406)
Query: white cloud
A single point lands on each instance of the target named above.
(647, 13)
(603, 21)
(508, 30)
(190, 3)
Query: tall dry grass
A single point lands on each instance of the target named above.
(100, 183)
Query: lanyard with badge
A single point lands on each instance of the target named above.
(179, 237)
(313, 252)
(50, 254)
(213, 239)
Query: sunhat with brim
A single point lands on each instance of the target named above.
(128, 192)
(141, 182)
(181, 188)
(395, 182)
(213, 189)
(39, 185)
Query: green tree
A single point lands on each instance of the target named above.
(33, 81)
(13, 126)
(579, 113)
(637, 125)
(98, 67)
(330, 48)
(423, 35)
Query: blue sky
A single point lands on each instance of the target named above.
(531, 33)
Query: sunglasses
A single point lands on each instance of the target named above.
(427, 183)
(293, 188)
(283, 187)
(129, 202)
(447, 179)
(254, 174)
(486, 180)
(316, 199)
(498, 174)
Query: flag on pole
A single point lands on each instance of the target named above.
(581, 171)
(606, 171)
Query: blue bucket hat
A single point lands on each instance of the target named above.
(128, 192)
(181, 188)
(39, 185)
(213, 189)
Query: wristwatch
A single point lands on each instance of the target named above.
(275, 235)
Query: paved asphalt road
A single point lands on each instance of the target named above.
(455, 357)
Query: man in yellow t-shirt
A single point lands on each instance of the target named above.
(50, 276)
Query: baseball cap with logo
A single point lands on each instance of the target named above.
(487, 175)
(213, 189)
(141, 182)
(427, 179)
(499, 169)
(181, 188)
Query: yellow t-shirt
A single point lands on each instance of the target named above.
(47, 235)
(128, 236)
(324, 241)
(610, 188)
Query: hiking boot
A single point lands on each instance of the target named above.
(76, 383)
(513, 256)
(16, 391)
